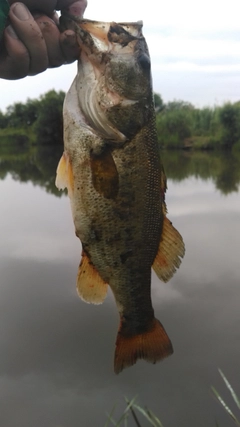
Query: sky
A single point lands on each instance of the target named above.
(194, 48)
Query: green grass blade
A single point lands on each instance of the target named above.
(153, 420)
(118, 423)
(130, 408)
(156, 420)
(114, 422)
(234, 396)
(110, 416)
(110, 419)
(135, 417)
(124, 418)
(225, 406)
(130, 403)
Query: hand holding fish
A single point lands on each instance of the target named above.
(32, 41)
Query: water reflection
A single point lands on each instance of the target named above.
(57, 352)
(31, 163)
(222, 167)
(38, 164)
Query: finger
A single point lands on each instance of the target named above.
(14, 62)
(46, 6)
(30, 34)
(51, 37)
(69, 46)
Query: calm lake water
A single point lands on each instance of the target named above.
(56, 352)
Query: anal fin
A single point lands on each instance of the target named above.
(90, 286)
(170, 252)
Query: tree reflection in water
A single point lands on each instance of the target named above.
(38, 164)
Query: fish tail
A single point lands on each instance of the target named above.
(152, 346)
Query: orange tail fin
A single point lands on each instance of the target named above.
(152, 346)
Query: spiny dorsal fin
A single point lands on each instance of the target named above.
(90, 286)
(170, 252)
(64, 178)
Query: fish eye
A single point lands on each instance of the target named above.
(144, 62)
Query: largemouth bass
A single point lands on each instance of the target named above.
(112, 170)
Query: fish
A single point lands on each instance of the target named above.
(112, 170)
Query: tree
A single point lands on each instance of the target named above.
(158, 102)
(21, 115)
(49, 123)
(179, 105)
(3, 120)
(229, 116)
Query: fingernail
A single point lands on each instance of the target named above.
(21, 12)
(11, 32)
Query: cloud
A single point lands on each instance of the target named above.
(189, 43)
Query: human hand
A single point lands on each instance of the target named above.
(32, 42)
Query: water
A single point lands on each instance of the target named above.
(56, 363)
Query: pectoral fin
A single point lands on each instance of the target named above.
(90, 286)
(64, 178)
(170, 252)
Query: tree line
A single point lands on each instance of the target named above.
(37, 120)
(179, 124)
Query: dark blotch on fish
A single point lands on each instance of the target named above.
(125, 256)
(144, 62)
(118, 34)
(104, 174)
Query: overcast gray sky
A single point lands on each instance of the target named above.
(195, 51)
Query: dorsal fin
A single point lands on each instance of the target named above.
(171, 250)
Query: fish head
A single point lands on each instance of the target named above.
(119, 51)
(114, 82)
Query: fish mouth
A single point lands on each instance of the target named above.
(122, 32)
(100, 35)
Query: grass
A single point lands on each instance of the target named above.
(132, 411)
(234, 396)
